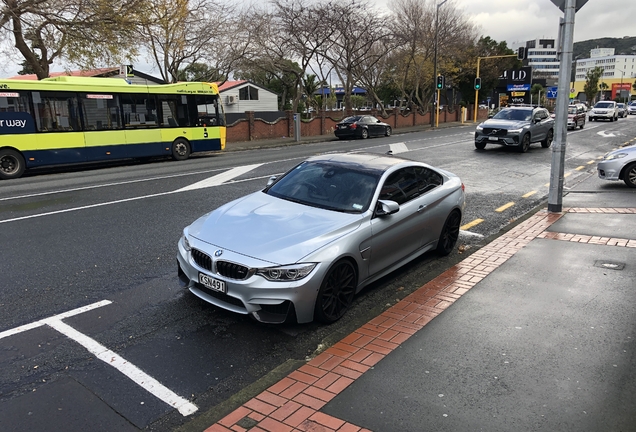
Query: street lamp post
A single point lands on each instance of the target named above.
(436, 92)
(620, 90)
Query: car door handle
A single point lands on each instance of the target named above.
(420, 208)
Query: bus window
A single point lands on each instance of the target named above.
(174, 111)
(14, 102)
(100, 111)
(140, 110)
(208, 110)
(56, 111)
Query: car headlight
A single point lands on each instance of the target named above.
(480, 128)
(515, 130)
(185, 242)
(614, 156)
(286, 273)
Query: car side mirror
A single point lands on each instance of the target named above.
(271, 180)
(386, 207)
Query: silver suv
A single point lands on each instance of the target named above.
(604, 110)
(516, 126)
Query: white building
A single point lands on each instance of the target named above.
(621, 67)
(242, 96)
(541, 55)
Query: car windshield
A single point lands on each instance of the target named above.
(603, 105)
(620, 105)
(514, 114)
(572, 110)
(351, 119)
(339, 187)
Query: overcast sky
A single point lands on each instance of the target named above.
(513, 21)
(518, 21)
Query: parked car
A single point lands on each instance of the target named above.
(622, 110)
(619, 165)
(604, 110)
(318, 234)
(362, 126)
(576, 116)
(516, 127)
(631, 108)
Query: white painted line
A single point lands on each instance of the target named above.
(61, 316)
(398, 148)
(138, 376)
(220, 178)
(470, 234)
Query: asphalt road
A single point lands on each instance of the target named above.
(106, 236)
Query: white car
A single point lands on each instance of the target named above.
(631, 108)
(619, 165)
(604, 110)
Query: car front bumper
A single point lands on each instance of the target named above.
(602, 115)
(512, 140)
(610, 169)
(266, 301)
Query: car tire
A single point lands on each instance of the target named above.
(547, 142)
(336, 292)
(582, 125)
(450, 233)
(387, 131)
(629, 175)
(12, 164)
(364, 134)
(480, 146)
(180, 149)
(525, 143)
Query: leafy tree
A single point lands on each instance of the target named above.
(82, 32)
(200, 72)
(538, 94)
(591, 86)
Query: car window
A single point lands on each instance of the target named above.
(604, 105)
(572, 110)
(408, 183)
(351, 119)
(514, 114)
(328, 186)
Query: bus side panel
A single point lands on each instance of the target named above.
(105, 145)
(58, 148)
(201, 139)
(145, 143)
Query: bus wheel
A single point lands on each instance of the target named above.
(180, 149)
(11, 164)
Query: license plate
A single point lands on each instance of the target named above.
(493, 139)
(210, 282)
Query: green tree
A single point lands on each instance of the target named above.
(538, 92)
(592, 79)
(200, 72)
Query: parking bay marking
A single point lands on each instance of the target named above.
(138, 376)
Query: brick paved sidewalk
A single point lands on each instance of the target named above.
(294, 403)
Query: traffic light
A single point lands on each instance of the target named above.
(440, 82)
(477, 83)
(521, 53)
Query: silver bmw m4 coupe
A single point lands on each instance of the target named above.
(302, 247)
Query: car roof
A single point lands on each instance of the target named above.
(370, 161)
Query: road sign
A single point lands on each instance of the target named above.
(551, 92)
(561, 4)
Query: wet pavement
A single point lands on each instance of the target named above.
(534, 331)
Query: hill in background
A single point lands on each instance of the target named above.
(625, 45)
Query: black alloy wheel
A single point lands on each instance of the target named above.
(547, 142)
(180, 149)
(364, 133)
(12, 164)
(450, 234)
(629, 177)
(336, 292)
(387, 131)
(525, 143)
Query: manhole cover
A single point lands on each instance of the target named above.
(609, 265)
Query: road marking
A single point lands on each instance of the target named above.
(591, 162)
(220, 178)
(579, 168)
(529, 194)
(398, 148)
(547, 185)
(504, 207)
(567, 174)
(471, 224)
(138, 376)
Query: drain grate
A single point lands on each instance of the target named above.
(609, 265)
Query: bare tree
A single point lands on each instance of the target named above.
(83, 32)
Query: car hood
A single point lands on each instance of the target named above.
(272, 229)
(504, 124)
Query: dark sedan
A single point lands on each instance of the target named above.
(361, 126)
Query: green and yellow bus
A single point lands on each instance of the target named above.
(71, 120)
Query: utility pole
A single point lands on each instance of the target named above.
(436, 94)
(555, 196)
